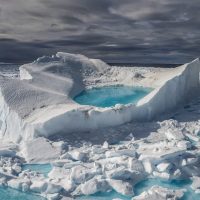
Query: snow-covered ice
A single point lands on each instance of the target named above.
(92, 149)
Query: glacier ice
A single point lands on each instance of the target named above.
(40, 103)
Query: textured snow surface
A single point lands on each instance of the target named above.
(40, 102)
(148, 160)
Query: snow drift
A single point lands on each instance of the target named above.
(40, 103)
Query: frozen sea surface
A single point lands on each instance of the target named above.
(112, 95)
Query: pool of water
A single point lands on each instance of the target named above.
(144, 186)
(11, 194)
(41, 168)
(111, 95)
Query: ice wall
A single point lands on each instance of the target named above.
(180, 88)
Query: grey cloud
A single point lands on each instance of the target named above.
(20, 52)
(113, 30)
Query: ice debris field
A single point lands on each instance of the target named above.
(76, 128)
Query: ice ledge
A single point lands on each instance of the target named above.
(40, 103)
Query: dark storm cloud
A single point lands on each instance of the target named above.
(113, 30)
(15, 51)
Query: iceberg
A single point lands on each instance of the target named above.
(40, 102)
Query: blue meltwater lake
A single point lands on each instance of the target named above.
(111, 95)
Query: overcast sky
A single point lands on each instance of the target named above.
(139, 31)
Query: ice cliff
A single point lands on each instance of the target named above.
(40, 102)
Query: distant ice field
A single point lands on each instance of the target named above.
(8, 69)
